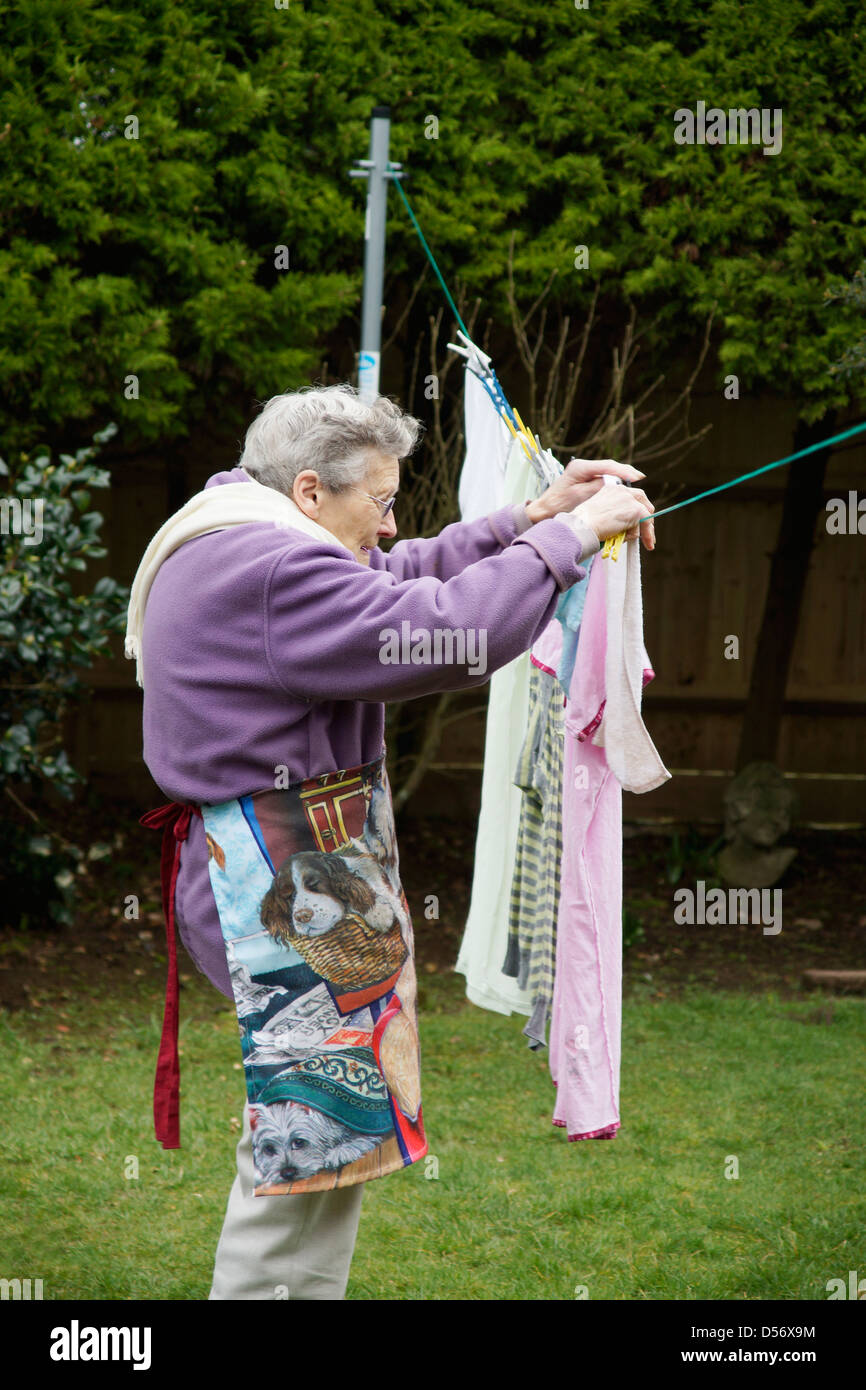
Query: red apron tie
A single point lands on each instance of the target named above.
(175, 816)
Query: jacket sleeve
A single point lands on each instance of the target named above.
(456, 546)
(338, 630)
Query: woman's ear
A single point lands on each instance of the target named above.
(307, 493)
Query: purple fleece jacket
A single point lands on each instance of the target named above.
(261, 648)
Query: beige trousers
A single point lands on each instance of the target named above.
(298, 1246)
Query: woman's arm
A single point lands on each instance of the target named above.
(464, 542)
(459, 544)
(335, 630)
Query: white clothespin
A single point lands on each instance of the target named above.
(478, 362)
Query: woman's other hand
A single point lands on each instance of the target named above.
(580, 480)
(615, 509)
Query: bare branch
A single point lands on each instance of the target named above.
(406, 312)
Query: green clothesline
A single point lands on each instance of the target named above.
(417, 225)
(801, 453)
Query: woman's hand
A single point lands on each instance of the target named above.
(579, 480)
(615, 509)
(581, 484)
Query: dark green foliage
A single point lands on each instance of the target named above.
(48, 633)
(632, 929)
(693, 856)
(155, 256)
(853, 360)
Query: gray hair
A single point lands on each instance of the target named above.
(326, 428)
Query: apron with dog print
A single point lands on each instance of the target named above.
(320, 948)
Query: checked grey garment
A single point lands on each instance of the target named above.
(531, 951)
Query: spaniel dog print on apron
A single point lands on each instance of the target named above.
(320, 948)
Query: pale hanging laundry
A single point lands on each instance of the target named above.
(481, 488)
(482, 950)
(607, 747)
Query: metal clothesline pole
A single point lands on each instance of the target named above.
(377, 170)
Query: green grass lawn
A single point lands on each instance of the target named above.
(516, 1212)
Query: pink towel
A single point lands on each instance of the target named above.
(547, 649)
(587, 996)
(607, 747)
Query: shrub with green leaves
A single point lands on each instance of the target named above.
(49, 633)
(156, 159)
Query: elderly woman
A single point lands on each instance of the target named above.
(259, 618)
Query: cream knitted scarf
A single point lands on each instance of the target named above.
(212, 509)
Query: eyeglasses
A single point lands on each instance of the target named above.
(384, 505)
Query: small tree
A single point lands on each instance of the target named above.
(47, 633)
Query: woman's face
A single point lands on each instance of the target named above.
(351, 516)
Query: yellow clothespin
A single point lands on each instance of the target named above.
(517, 436)
(510, 426)
(612, 546)
(524, 430)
